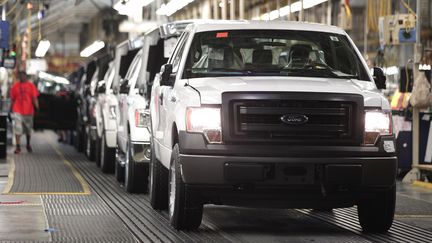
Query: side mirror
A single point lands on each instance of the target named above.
(101, 89)
(115, 90)
(87, 91)
(380, 78)
(141, 89)
(167, 79)
(124, 87)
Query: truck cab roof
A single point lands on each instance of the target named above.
(216, 25)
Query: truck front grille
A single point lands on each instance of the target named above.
(326, 118)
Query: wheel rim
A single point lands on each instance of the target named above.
(127, 164)
(102, 154)
(172, 189)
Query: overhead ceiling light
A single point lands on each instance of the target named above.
(93, 48)
(173, 6)
(42, 48)
(124, 7)
(284, 11)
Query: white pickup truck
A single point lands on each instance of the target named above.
(105, 116)
(270, 114)
(133, 120)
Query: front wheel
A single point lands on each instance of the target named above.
(90, 146)
(107, 156)
(185, 206)
(376, 215)
(158, 187)
(119, 171)
(136, 174)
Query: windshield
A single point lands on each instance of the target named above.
(273, 53)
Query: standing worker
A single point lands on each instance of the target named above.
(24, 101)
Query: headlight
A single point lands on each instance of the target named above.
(377, 123)
(142, 118)
(205, 120)
(112, 112)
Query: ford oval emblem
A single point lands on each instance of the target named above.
(294, 119)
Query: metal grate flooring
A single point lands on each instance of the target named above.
(151, 226)
(83, 219)
(110, 214)
(43, 171)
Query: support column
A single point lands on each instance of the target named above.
(224, 9)
(289, 14)
(366, 30)
(414, 174)
(215, 9)
(241, 9)
(232, 9)
(301, 16)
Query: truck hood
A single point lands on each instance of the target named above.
(211, 89)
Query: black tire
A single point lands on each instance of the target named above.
(185, 206)
(80, 140)
(107, 156)
(136, 174)
(158, 183)
(376, 215)
(90, 146)
(97, 152)
(119, 171)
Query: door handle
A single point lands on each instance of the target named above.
(173, 99)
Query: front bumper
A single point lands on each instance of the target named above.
(141, 152)
(93, 132)
(111, 138)
(279, 171)
(301, 175)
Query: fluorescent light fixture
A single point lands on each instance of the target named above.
(424, 67)
(391, 70)
(125, 7)
(42, 48)
(173, 6)
(53, 78)
(93, 48)
(284, 11)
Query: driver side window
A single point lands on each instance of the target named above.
(179, 53)
(130, 75)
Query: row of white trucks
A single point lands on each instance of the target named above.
(245, 113)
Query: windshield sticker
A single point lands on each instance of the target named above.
(222, 35)
(334, 38)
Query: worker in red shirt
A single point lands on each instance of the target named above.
(24, 102)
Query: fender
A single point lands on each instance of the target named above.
(138, 134)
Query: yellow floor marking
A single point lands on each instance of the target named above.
(426, 185)
(9, 184)
(78, 176)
